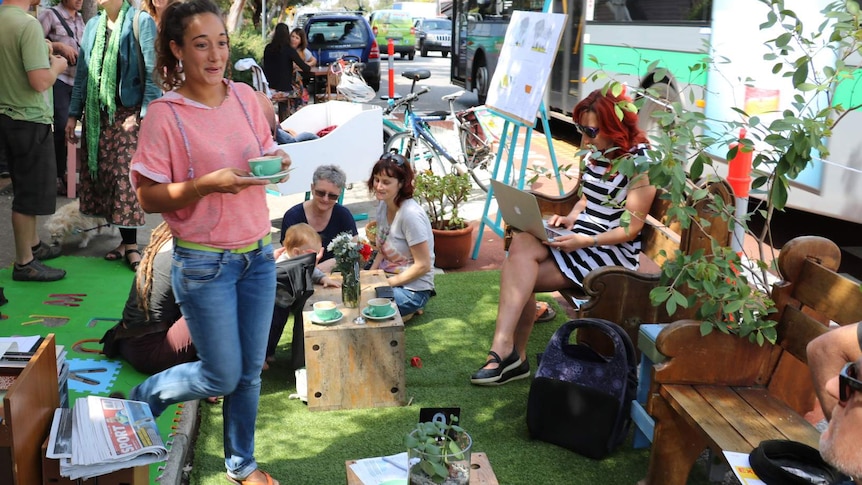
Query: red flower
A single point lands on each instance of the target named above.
(365, 251)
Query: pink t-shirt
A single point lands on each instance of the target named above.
(225, 136)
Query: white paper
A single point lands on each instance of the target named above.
(372, 471)
(24, 343)
(7, 346)
(742, 468)
(60, 439)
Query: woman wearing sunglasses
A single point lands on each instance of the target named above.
(599, 238)
(322, 211)
(405, 242)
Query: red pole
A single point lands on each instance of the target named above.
(739, 174)
(390, 50)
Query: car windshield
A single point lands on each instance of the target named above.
(332, 32)
(437, 25)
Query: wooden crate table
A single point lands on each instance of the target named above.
(352, 365)
(481, 472)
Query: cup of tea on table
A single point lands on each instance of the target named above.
(263, 166)
(379, 307)
(325, 310)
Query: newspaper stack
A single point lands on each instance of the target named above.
(102, 435)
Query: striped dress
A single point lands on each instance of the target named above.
(605, 206)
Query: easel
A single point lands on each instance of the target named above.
(510, 144)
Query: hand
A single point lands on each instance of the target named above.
(226, 181)
(570, 242)
(328, 282)
(70, 53)
(70, 130)
(130, 123)
(285, 163)
(560, 221)
(59, 61)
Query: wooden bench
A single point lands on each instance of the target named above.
(621, 295)
(723, 392)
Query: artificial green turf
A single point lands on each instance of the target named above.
(301, 447)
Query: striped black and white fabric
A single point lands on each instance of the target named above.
(605, 206)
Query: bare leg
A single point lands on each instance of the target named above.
(24, 229)
(528, 268)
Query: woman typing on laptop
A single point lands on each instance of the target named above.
(598, 240)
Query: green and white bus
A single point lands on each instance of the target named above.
(622, 38)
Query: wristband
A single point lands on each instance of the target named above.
(595, 240)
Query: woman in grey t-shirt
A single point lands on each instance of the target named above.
(405, 242)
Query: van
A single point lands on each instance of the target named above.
(396, 25)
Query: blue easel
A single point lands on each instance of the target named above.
(510, 144)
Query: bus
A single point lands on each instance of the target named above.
(621, 38)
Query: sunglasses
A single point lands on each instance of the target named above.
(848, 382)
(588, 131)
(396, 158)
(324, 194)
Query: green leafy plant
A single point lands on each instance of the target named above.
(437, 445)
(442, 197)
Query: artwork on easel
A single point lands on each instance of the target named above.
(524, 67)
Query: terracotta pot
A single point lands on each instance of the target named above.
(452, 247)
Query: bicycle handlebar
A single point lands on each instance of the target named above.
(409, 99)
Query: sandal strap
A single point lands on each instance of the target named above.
(495, 357)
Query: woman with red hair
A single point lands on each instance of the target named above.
(599, 240)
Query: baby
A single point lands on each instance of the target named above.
(302, 239)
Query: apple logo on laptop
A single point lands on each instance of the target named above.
(517, 210)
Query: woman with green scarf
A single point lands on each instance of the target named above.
(113, 86)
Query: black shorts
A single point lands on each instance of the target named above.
(29, 151)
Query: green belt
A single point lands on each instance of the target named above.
(245, 249)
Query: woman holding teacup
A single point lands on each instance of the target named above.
(192, 166)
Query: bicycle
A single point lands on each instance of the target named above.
(419, 145)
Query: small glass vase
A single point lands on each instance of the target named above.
(350, 285)
(427, 468)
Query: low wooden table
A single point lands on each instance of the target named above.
(331, 80)
(352, 365)
(481, 472)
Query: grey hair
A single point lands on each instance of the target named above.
(330, 173)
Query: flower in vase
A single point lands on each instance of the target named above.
(349, 249)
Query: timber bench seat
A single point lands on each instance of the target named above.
(621, 295)
(725, 393)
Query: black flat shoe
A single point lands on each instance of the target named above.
(491, 377)
(520, 372)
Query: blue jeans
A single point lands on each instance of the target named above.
(408, 301)
(227, 300)
(282, 137)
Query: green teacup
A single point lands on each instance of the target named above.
(325, 310)
(263, 166)
(379, 307)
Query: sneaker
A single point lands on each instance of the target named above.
(36, 271)
(43, 252)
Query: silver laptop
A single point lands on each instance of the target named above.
(521, 210)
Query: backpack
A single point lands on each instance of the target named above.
(580, 399)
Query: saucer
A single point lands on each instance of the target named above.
(274, 178)
(368, 315)
(316, 320)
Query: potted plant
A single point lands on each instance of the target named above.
(438, 453)
(442, 196)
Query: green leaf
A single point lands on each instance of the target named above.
(705, 328)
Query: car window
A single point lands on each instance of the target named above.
(344, 31)
(436, 25)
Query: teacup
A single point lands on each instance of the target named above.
(325, 310)
(379, 307)
(263, 166)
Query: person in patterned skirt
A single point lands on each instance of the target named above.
(599, 240)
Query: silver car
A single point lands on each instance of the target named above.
(433, 35)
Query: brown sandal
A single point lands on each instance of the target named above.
(246, 481)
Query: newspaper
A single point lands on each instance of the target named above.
(105, 435)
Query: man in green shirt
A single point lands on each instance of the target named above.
(28, 70)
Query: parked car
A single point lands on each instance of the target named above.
(332, 36)
(433, 35)
(397, 25)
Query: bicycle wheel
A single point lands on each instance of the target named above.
(478, 155)
(419, 152)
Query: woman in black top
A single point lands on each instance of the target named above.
(279, 59)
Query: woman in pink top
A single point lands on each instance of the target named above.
(192, 166)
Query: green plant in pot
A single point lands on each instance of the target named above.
(442, 196)
(438, 453)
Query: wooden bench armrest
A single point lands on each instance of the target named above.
(717, 358)
(556, 204)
